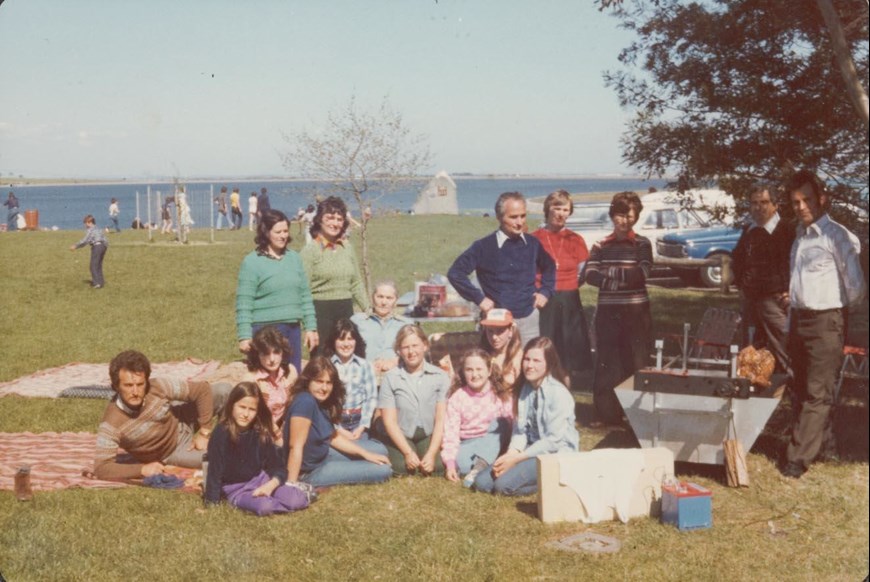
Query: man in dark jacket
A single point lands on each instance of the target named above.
(761, 271)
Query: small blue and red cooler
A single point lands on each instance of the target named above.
(687, 506)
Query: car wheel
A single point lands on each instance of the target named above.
(711, 276)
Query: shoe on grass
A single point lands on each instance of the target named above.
(479, 465)
(794, 470)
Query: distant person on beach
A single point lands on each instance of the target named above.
(185, 221)
(562, 319)
(114, 213)
(308, 221)
(252, 211)
(167, 219)
(221, 203)
(236, 210)
(145, 419)
(263, 203)
(11, 205)
(99, 245)
(619, 266)
(506, 263)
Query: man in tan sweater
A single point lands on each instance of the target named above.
(158, 421)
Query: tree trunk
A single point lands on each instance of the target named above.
(844, 59)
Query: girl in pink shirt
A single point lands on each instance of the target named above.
(479, 413)
(267, 368)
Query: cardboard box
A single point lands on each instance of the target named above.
(559, 502)
(687, 506)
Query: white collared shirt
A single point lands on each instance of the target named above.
(825, 267)
(501, 237)
(769, 226)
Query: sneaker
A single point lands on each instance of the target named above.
(306, 488)
(478, 466)
(98, 286)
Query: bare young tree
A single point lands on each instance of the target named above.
(362, 154)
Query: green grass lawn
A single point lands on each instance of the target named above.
(174, 301)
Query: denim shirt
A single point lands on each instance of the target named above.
(554, 417)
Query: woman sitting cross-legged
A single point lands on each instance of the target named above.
(412, 403)
(316, 453)
(245, 468)
(544, 423)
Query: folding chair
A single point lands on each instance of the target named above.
(710, 346)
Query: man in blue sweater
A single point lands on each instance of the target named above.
(506, 263)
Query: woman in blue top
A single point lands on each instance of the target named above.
(316, 453)
(543, 423)
(273, 289)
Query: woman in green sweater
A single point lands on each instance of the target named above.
(273, 289)
(331, 265)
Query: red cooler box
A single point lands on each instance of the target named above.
(687, 506)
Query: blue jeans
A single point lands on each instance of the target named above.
(486, 447)
(521, 479)
(339, 469)
(366, 442)
(293, 333)
(115, 223)
(12, 219)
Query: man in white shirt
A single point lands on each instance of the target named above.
(826, 278)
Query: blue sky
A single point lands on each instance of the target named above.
(102, 88)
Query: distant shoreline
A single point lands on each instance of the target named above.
(29, 182)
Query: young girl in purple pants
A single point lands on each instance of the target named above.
(244, 466)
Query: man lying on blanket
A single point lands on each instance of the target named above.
(159, 421)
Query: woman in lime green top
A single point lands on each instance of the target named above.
(273, 289)
(332, 268)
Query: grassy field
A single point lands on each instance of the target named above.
(174, 301)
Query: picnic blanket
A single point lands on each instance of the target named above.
(58, 460)
(52, 382)
(61, 460)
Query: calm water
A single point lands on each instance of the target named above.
(65, 206)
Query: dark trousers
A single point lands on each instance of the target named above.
(419, 442)
(98, 252)
(771, 327)
(624, 341)
(816, 347)
(328, 311)
(563, 321)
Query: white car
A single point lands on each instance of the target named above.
(662, 212)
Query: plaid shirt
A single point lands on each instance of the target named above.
(93, 236)
(358, 377)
